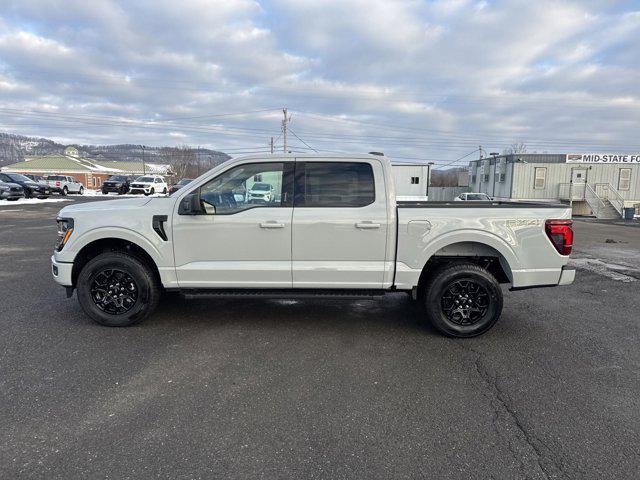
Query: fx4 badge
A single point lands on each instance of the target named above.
(523, 222)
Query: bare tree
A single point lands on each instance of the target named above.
(515, 148)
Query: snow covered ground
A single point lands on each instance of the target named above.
(98, 193)
(32, 201)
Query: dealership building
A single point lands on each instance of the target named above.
(594, 184)
(91, 173)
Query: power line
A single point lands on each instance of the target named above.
(294, 134)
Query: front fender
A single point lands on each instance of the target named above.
(72, 249)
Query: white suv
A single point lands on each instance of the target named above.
(149, 184)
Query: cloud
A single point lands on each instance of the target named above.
(415, 79)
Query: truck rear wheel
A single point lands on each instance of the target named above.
(462, 300)
(117, 289)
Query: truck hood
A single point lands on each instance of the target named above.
(106, 205)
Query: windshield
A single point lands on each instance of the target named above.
(145, 179)
(261, 186)
(17, 177)
(184, 181)
(118, 178)
(477, 196)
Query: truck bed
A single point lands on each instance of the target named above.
(512, 233)
(494, 204)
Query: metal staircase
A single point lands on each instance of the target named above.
(604, 201)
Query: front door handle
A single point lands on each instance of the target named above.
(271, 224)
(367, 225)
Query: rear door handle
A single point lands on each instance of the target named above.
(271, 224)
(367, 225)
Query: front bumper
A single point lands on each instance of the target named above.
(61, 272)
(8, 195)
(140, 190)
(113, 188)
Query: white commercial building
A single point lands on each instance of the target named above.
(596, 184)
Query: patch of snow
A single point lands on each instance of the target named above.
(98, 193)
(609, 270)
(31, 201)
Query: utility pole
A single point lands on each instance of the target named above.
(271, 143)
(284, 130)
(142, 159)
(480, 148)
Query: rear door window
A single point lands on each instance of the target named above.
(334, 184)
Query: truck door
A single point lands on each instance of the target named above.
(340, 224)
(244, 240)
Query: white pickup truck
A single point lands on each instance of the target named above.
(64, 184)
(331, 227)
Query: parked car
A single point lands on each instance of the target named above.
(260, 193)
(117, 183)
(149, 184)
(177, 186)
(10, 191)
(343, 233)
(64, 184)
(473, 197)
(31, 189)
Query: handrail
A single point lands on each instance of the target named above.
(600, 203)
(617, 201)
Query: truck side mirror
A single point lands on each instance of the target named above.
(190, 205)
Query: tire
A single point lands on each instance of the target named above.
(164, 191)
(462, 300)
(65, 191)
(128, 269)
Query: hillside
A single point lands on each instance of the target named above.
(14, 148)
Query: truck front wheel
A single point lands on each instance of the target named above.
(462, 300)
(116, 289)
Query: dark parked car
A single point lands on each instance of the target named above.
(31, 188)
(177, 186)
(10, 191)
(117, 183)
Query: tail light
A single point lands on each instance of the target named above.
(57, 184)
(560, 232)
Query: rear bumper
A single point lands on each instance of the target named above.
(567, 276)
(61, 272)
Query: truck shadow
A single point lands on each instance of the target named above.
(389, 312)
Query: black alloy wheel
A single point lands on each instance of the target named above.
(465, 302)
(118, 289)
(462, 299)
(114, 291)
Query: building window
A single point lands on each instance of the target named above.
(485, 177)
(502, 177)
(415, 180)
(540, 178)
(94, 181)
(624, 179)
(257, 178)
(473, 179)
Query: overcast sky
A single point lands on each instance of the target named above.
(427, 80)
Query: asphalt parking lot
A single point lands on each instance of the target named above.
(320, 388)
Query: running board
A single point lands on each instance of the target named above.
(279, 293)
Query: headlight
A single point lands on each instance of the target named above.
(65, 229)
(4, 188)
